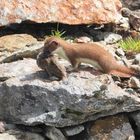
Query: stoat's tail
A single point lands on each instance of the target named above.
(123, 71)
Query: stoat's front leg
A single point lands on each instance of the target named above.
(75, 65)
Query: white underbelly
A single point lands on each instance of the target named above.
(61, 53)
(95, 64)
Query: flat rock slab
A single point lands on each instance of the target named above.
(18, 46)
(28, 97)
(63, 11)
(14, 42)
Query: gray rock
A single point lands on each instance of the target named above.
(134, 82)
(54, 134)
(15, 69)
(28, 97)
(73, 130)
(124, 23)
(131, 138)
(137, 59)
(130, 90)
(120, 52)
(6, 136)
(2, 129)
(135, 67)
(23, 135)
(131, 4)
(134, 17)
(9, 126)
(111, 38)
(20, 135)
(33, 129)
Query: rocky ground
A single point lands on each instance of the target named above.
(88, 105)
(37, 108)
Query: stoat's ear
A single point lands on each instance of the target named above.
(53, 43)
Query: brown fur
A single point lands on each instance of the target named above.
(91, 51)
(51, 65)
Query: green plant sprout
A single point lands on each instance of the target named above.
(130, 44)
(57, 32)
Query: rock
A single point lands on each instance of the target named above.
(130, 90)
(111, 38)
(82, 39)
(81, 136)
(68, 12)
(134, 82)
(134, 34)
(9, 70)
(131, 4)
(9, 126)
(135, 67)
(54, 134)
(111, 128)
(18, 46)
(31, 136)
(120, 52)
(5, 126)
(11, 43)
(6, 136)
(131, 138)
(73, 130)
(134, 18)
(124, 23)
(2, 129)
(135, 120)
(22, 135)
(28, 97)
(137, 59)
(30, 51)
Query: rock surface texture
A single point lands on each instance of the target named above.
(18, 46)
(20, 135)
(14, 42)
(27, 97)
(131, 4)
(63, 11)
(134, 18)
(112, 128)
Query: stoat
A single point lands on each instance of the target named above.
(91, 53)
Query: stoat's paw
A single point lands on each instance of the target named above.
(71, 69)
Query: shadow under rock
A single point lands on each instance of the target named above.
(40, 75)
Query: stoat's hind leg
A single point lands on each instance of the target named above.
(120, 74)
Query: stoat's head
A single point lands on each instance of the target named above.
(51, 45)
(54, 45)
